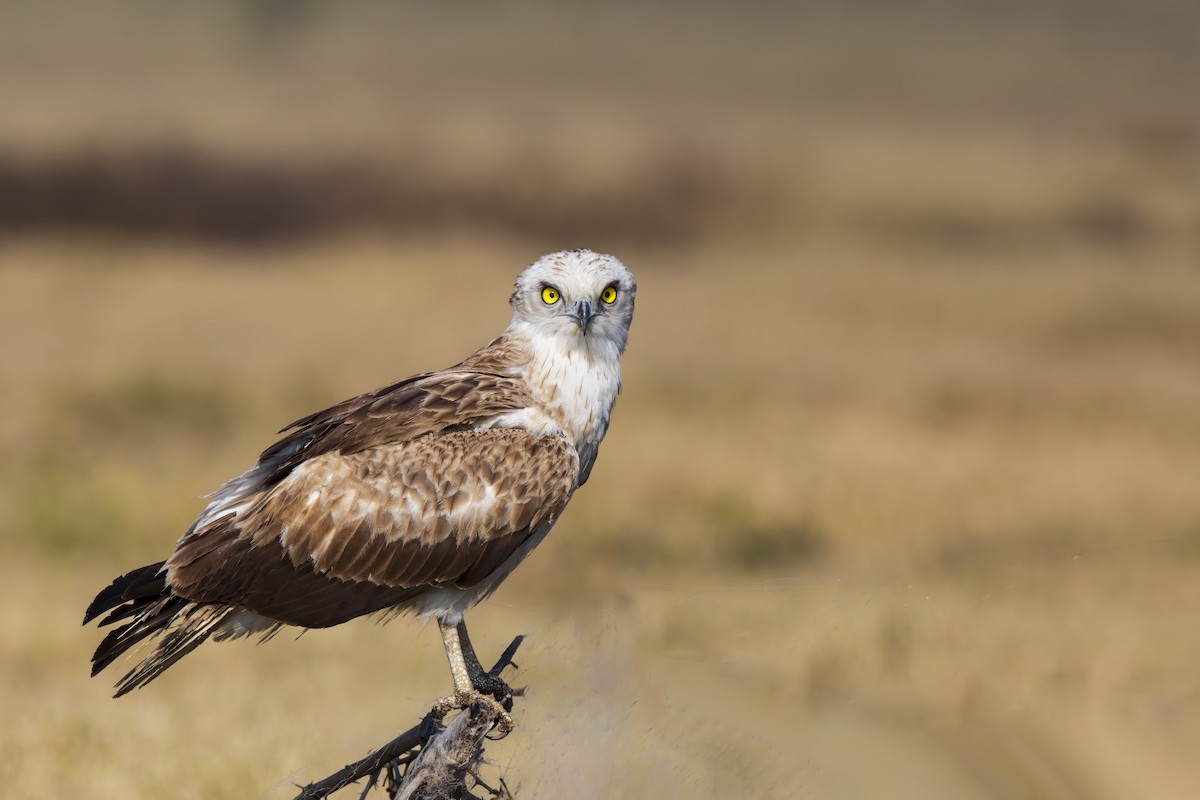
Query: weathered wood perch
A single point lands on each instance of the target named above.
(428, 761)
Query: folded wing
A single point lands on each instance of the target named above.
(344, 534)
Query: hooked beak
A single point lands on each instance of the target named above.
(584, 314)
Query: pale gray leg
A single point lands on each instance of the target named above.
(454, 652)
(470, 678)
(469, 674)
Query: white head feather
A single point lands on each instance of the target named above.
(583, 298)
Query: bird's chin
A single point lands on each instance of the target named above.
(575, 327)
(571, 328)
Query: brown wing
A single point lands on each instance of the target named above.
(413, 407)
(347, 533)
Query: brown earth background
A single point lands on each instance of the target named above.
(902, 498)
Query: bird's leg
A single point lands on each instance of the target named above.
(472, 683)
(454, 652)
(481, 679)
(469, 674)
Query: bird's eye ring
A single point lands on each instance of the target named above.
(609, 295)
(549, 295)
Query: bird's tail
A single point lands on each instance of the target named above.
(143, 598)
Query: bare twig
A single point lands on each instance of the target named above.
(438, 759)
(371, 766)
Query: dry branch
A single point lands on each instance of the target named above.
(444, 763)
(427, 761)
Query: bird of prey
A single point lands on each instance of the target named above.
(421, 496)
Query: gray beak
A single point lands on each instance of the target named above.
(584, 314)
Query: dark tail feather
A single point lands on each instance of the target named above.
(143, 598)
(149, 619)
(143, 583)
(190, 626)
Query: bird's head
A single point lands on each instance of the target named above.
(579, 295)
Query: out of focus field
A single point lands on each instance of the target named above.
(902, 498)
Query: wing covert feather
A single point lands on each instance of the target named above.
(423, 513)
(414, 407)
(437, 511)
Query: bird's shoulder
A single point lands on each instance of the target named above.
(431, 403)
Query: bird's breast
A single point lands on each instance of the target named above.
(576, 390)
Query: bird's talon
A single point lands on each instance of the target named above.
(443, 706)
(460, 701)
(504, 726)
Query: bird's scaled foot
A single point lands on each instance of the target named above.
(464, 700)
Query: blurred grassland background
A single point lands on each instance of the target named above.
(900, 500)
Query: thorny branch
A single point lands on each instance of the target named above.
(427, 761)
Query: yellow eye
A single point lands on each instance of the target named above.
(549, 295)
(609, 295)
